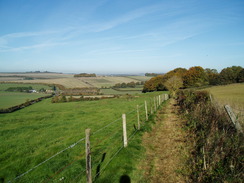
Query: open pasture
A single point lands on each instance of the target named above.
(140, 78)
(111, 91)
(107, 81)
(5, 86)
(10, 99)
(21, 76)
(68, 81)
(35, 133)
(232, 95)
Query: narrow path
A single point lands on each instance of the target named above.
(166, 148)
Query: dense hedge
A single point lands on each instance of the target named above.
(218, 149)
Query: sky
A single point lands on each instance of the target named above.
(120, 36)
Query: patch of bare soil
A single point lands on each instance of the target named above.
(167, 148)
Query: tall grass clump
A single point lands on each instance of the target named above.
(217, 154)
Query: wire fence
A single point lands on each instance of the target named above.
(107, 143)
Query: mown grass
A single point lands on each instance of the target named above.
(35, 133)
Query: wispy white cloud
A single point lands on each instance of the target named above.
(32, 40)
(35, 46)
(127, 17)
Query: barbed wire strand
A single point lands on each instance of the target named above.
(99, 173)
(133, 134)
(65, 167)
(69, 147)
(105, 126)
(116, 153)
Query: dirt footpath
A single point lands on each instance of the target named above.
(166, 148)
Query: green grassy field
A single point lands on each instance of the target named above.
(232, 95)
(5, 86)
(35, 133)
(9, 99)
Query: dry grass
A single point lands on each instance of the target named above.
(36, 75)
(167, 151)
(232, 95)
(68, 81)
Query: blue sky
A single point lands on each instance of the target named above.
(120, 36)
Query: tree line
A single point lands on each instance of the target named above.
(152, 74)
(194, 77)
(85, 75)
(19, 89)
(128, 85)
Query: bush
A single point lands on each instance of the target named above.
(218, 148)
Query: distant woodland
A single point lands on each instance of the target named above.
(194, 77)
(85, 75)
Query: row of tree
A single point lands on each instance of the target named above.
(152, 74)
(128, 85)
(85, 75)
(194, 77)
(19, 89)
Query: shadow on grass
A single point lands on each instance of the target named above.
(99, 166)
(124, 179)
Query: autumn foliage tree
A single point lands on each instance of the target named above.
(158, 83)
(173, 84)
(195, 77)
(154, 84)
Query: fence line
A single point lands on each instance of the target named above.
(92, 134)
(69, 147)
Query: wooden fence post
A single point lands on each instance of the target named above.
(155, 107)
(210, 96)
(163, 97)
(166, 96)
(124, 130)
(88, 157)
(204, 159)
(138, 117)
(151, 106)
(233, 118)
(146, 110)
